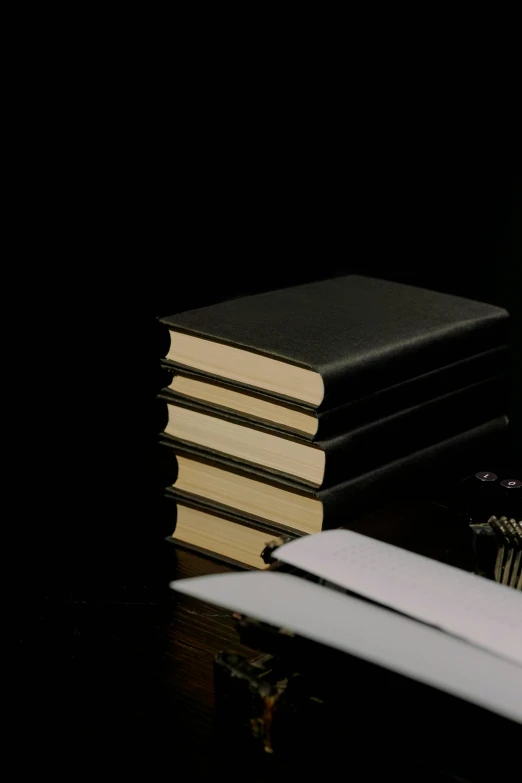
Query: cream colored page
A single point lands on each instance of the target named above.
(262, 448)
(238, 364)
(245, 494)
(369, 632)
(245, 404)
(479, 610)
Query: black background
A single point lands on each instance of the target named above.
(160, 175)
(224, 220)
(161, 215)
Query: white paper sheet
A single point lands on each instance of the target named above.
(483, 612)
(367, 631)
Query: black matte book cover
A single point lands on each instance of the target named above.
(358, 334)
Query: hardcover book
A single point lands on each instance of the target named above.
(231, 487)
(325, 343)
(325, 462)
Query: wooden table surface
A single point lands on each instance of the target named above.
(114, 677)
(129, 669)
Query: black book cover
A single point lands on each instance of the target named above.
(411, 474)
(372, 407)
(356, 451)
(361, 334)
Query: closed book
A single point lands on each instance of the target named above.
(297, 418)
(225, 485)
(326, 462)
(325, 343)
(218, 533)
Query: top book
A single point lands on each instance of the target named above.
(325, 343)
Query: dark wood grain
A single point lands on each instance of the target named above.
(127, 666)
(135, 674)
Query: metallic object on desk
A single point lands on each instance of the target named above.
(508, 563)
(516, 575)
(511, 551)
(502, 541)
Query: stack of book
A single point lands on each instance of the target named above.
(290, 411)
